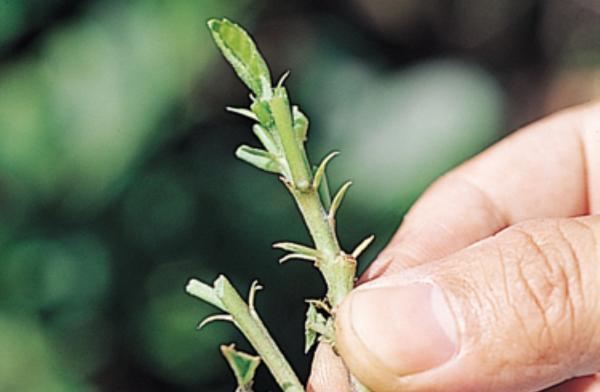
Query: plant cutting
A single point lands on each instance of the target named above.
(282, 130)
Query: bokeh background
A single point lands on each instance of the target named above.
(118, 181)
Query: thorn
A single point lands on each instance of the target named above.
(321, 169)
(215, 317)
(242, 112)
(254, 287)
(297, 248)
(283, 78)
(296, 256)
(320, 304)
(337, 200)
(362, 246)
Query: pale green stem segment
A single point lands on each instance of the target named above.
(292, 148)
(282, 130)
(224, 296)
(337, 268)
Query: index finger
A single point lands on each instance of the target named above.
(548, 169)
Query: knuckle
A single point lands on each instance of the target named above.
(547, 267)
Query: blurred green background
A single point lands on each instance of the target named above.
(118, 181)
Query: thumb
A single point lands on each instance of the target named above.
(519, 311)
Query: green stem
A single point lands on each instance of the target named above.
(272, 110)
(294, 153)
(249, 323)
(337, 268)
(257, 334)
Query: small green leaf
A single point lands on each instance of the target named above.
(241, 52)
(265, 138)
(310, 336)
(328, 333)
(243, 365)
(324, 193)
(297, 248)
(321, 169)
(300, 124)
(263, 112)
(262, 159)
(362, 246)
(337, 199)
(243, 112)
(298, 252)
(317, 325)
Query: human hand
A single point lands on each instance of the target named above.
(492, 282)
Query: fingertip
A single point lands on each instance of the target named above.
(387, 333)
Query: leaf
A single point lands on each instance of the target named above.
(321, 169)
(316, 325)
(261, 159)
(324, 193)
(362, 246)
(300, 124)
(298, 252)
(337, 199)
(310, 336)
(328, 333)
(240, 51)
(265, 138)
(242, 112)
(243, 365)
(297, 248)
(263, 112)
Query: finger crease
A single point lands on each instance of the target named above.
(501, 218)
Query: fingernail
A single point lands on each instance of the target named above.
(409, 329)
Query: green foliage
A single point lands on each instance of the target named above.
(243, 366)
(225, 297)
(298, 251)
(261, 159)
(241, 52)
(282, 129)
